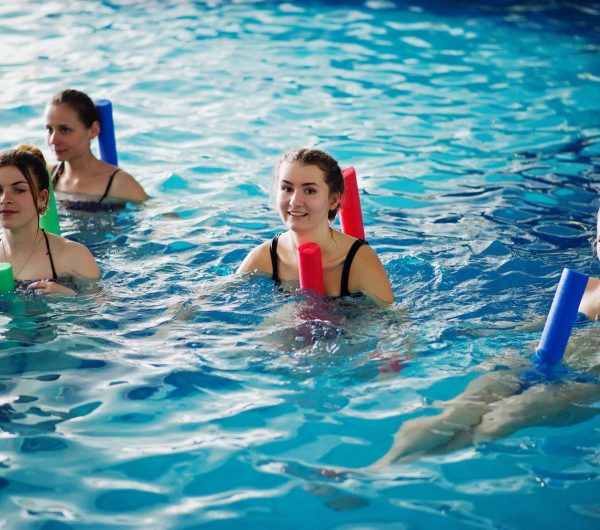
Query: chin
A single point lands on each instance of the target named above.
(295, 225)
(7, 225)
(298, 229)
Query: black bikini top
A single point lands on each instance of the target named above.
(83, 205)
(49, 254)
(54, 275)
(345, 272)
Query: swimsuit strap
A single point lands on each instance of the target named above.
(54, 275)
(110, 181)
(59, 169)
(274, 264)
(57, 172)
(347, 264)
(274, 260)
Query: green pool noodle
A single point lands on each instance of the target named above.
(7, 282)
(49, 220)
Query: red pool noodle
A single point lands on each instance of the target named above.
(310, 267)
(350, 212)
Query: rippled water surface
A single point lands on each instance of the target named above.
(177, 396)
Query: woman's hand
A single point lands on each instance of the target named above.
(49, 287)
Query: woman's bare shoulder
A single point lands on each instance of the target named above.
(125, 186)
(590, 302)
(258, 260)
(72, 258)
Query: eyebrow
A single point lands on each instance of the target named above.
(283, 181)
(19, 182)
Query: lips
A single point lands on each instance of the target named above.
(7, 213)
(297, 214)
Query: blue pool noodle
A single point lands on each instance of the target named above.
(106, 138)
(561, 317)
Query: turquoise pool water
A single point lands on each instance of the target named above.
(176, 396)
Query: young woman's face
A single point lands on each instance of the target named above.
(303, 197)
(66, 134)
(16, 201)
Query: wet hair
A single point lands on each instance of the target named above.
(30, 162)
(81, 103)
(326, 163)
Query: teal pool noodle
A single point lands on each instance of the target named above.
(561, 317)
(106, 138)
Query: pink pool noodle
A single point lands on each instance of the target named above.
(310, 267)
(350, 212)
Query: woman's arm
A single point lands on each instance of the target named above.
(258, 260)
(78, 261)
(70, 259)
(590, 302)
(124, 186)
(368, 276)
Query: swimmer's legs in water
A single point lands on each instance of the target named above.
(453, 427)
(542, 404)
(492, 406)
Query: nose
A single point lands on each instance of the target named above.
(296, 197)
(5, 196)
(51, 140)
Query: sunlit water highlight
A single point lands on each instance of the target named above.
(176, 396)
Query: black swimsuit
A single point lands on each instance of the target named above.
(345, 272)
(49, 254)
(54, 275)
(85, 205)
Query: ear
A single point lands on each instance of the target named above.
(95, 129)
(42, 201)
(334, 200)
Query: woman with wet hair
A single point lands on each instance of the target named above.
(39, 259)
(72, 122)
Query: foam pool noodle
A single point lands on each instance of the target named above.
(310, 267)
(350, 211)
(49, 220)
(561, 317)
(106, 138)
(7, 282)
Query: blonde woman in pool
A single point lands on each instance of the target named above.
(499, 403)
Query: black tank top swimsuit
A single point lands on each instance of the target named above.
(49, 254)
(89, 206)
(345, 272)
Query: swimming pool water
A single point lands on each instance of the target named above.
(177, 396)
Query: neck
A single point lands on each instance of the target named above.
(19, 240)
(81, 166)
(322, 237)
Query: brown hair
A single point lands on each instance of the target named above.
(31, 163)
(326, 163)
(81, 103)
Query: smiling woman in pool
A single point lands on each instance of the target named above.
(35, 255)
(310, 187)
(72, 122)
